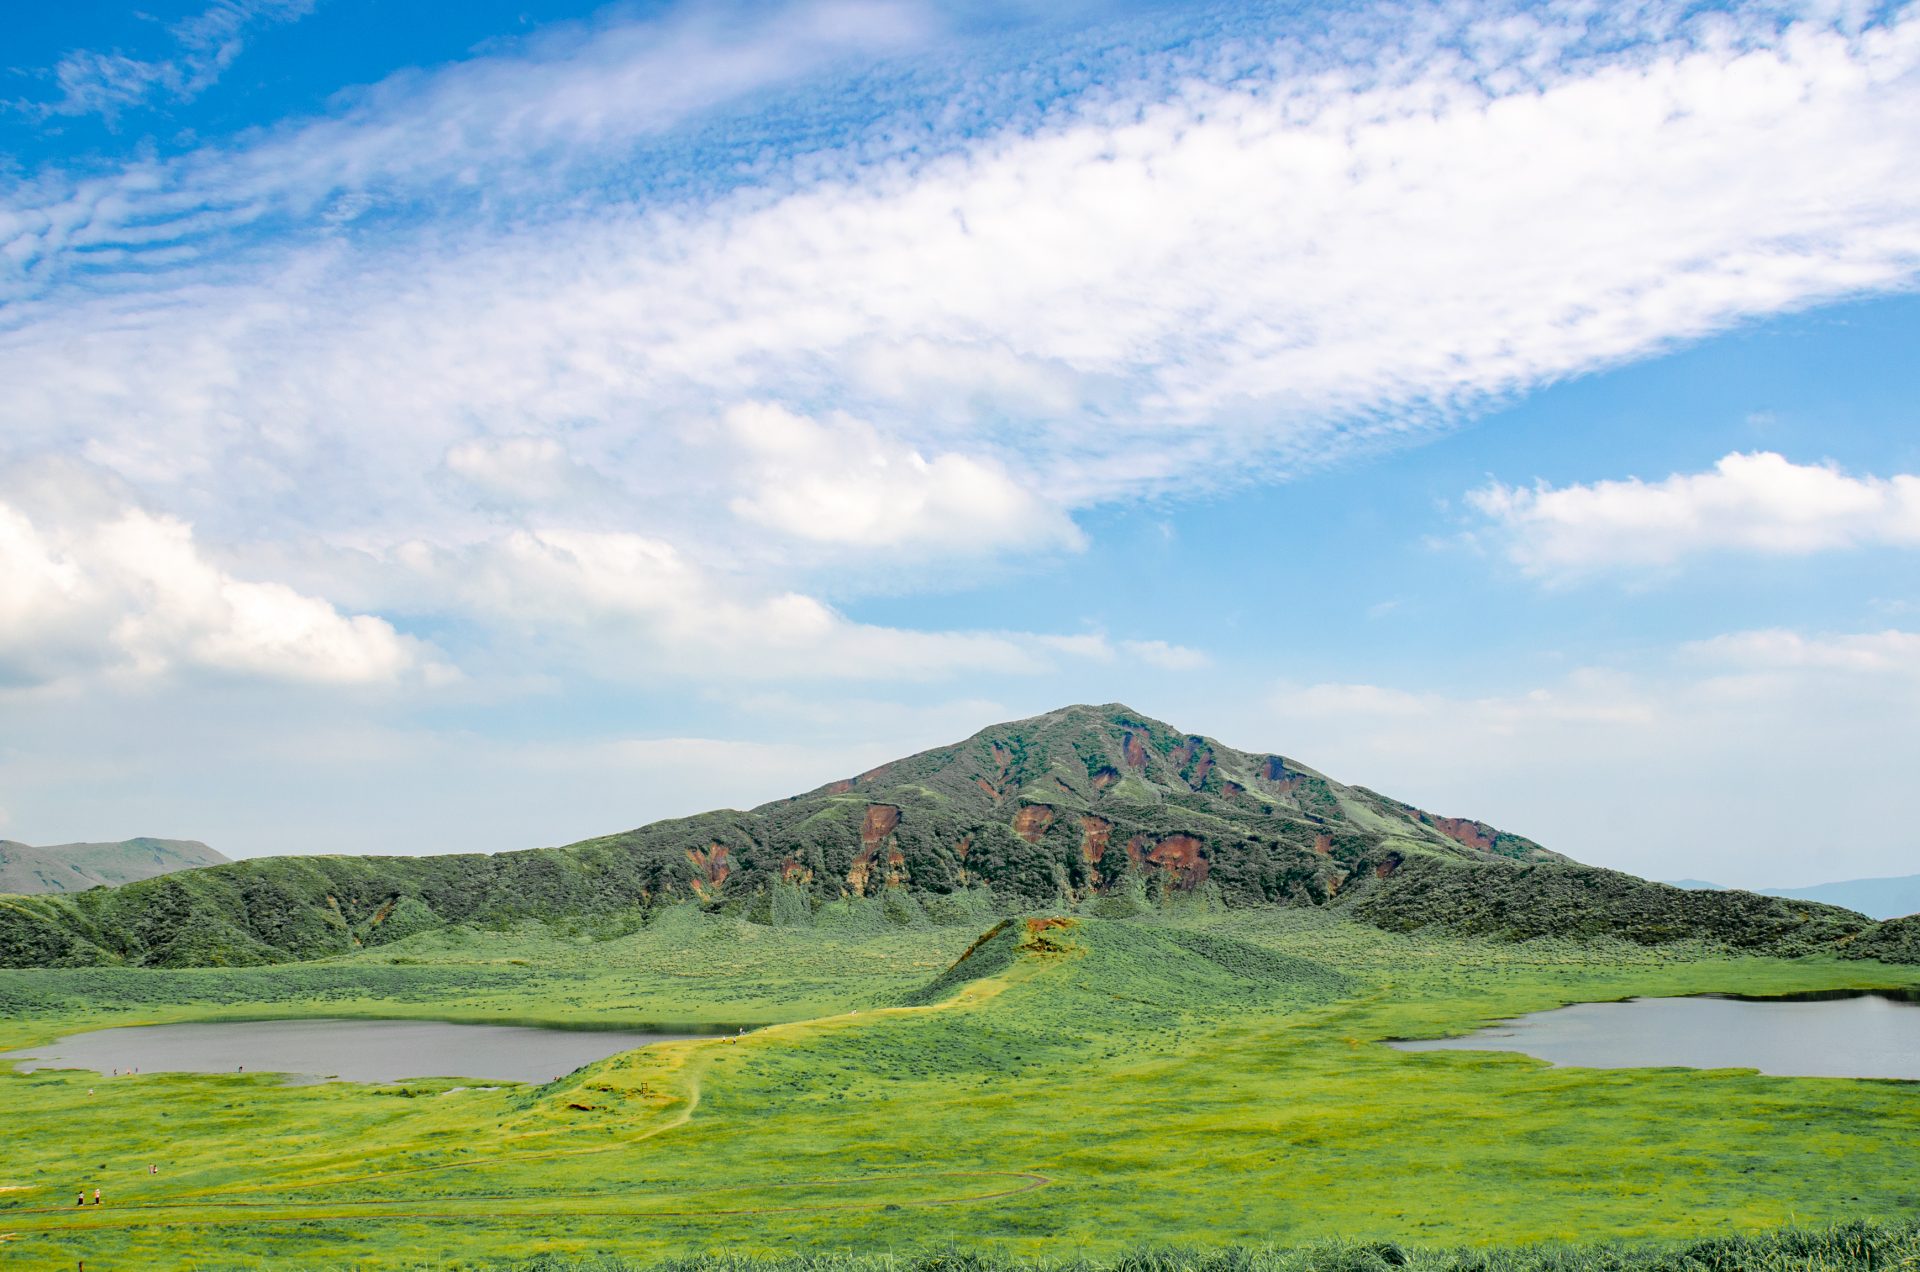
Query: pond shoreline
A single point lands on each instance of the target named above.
(1864, 1034)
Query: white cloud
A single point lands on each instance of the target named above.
(505, 124)
(1779, 649)
(1759, 502)
(634, 608)
(841, 481)
(521, 470)
(134, 595)
(1752, 759)
(93, 82)
(1174, 282)
(1167, 657)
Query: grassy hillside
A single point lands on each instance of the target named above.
(1076, 1086)
(1097, 809)
(77, 867)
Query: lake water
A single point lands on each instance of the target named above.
(349, 1050)
(1847, 1035)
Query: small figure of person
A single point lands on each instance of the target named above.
(81, 1200)
(96, 1196)
(153, 1168)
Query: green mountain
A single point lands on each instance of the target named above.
(1099, 809)
(77, 867)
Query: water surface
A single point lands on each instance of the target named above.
(349, 1050)
(1826, 1035)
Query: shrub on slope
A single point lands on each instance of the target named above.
(1521, 902)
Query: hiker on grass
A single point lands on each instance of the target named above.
(96, 1196)
(81, 1200)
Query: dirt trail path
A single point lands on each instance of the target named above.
(690, 1059)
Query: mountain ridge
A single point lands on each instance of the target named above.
(1100, 808)
(27, 869)
(1880, 897)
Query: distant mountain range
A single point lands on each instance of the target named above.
(1092, 809)
(77, 867)
(1889, 898)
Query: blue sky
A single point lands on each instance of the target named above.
(433, 430)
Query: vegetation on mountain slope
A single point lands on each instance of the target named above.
(1097, 809)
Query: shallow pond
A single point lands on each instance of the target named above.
(1827, 1035)
(349, 1050)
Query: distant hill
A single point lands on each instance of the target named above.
(1097, 809)
(77, 867)
(1889, 898)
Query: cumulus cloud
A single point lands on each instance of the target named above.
(634, 608)
(841, 481)
(134, 595)
(1761, 503)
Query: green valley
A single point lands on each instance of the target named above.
(1186, 1050)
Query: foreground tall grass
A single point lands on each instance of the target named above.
(1211, 1081)
(1863, 1245)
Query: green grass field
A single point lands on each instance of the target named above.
(1074, 1091)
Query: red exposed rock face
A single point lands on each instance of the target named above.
(873, 773)
(1233, 790)
(1094, 834)
(841, 787)
(791, 871)
(1277, 772)
(1386, 868)
(1032, 821)
(711, 869)
(1462, 830)
(1193, 760)
(874, 829)
(1039, 942)
(1001, 782)
(1181, 857)
(1105, 777)
(1133, 749)
(879, 823)
(1323, 844)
